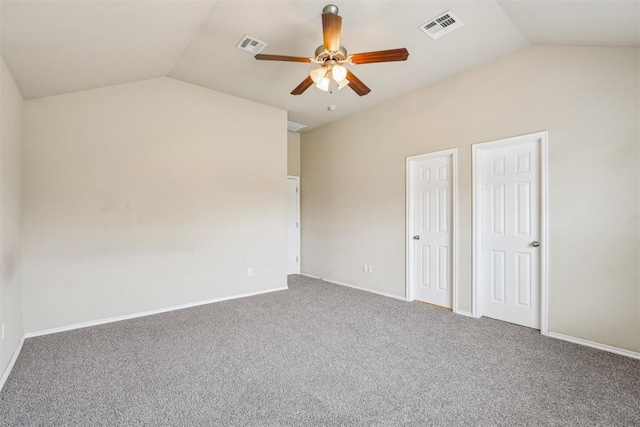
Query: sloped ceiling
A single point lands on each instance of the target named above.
(54, 47)
(607, 23)
(211, 60)
(57, 46)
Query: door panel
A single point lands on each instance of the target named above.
(443, 210)
(443, 268)
(425, 259)
(510, 222)
(425, 225)
(498, 273)
(497, 209)
(523, 279)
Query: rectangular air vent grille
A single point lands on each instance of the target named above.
(441, 25)
(251, 44)
(294, 127)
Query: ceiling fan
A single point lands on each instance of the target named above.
(332, 57)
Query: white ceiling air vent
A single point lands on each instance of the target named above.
(294, 127)
(441, 25)
(251, 44)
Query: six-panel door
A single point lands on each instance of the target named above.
(510, 231)
(432, 220)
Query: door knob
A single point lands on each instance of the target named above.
(416, 237)
(535, 243)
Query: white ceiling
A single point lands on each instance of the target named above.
(577, 22)
(58, 46)
(54, 46)
(211, 60)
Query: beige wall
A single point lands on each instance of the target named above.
(148, 195)
(353, 203)
(10, 239)
(293, 153)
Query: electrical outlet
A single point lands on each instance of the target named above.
(369, 268)
(365, 267)
(249, 271)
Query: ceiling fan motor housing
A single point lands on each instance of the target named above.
(322, 54)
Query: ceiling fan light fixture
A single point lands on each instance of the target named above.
(318, 74)
(339, 73)
(324, 84)
(342, 83)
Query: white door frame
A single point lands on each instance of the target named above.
(299, 255)
(543, 138)
(453, 153)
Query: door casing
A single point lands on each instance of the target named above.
(542, 138)
(453, 153)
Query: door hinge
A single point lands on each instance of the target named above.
(296, 259)
(297, 224)
(296, 189)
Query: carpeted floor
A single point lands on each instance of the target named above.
(317, 354)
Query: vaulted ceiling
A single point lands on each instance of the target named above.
(57, 46)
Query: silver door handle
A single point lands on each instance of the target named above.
(535, 243)
(416, 237)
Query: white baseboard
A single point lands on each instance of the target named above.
(12, 362)
(144, 313)
(463, 313)
(604, 347)
(349, 285)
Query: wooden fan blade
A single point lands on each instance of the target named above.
(261, 57)
(380, 56)
(357, 85)
(306, 83)
(331, 25)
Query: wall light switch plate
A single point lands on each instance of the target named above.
(249, 271)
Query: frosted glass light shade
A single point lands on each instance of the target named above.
(323, 85)
(343, 83)
(317, 74)
(339, 73)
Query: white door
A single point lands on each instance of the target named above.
(293, 226)
(510, 232)
(431, 205)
